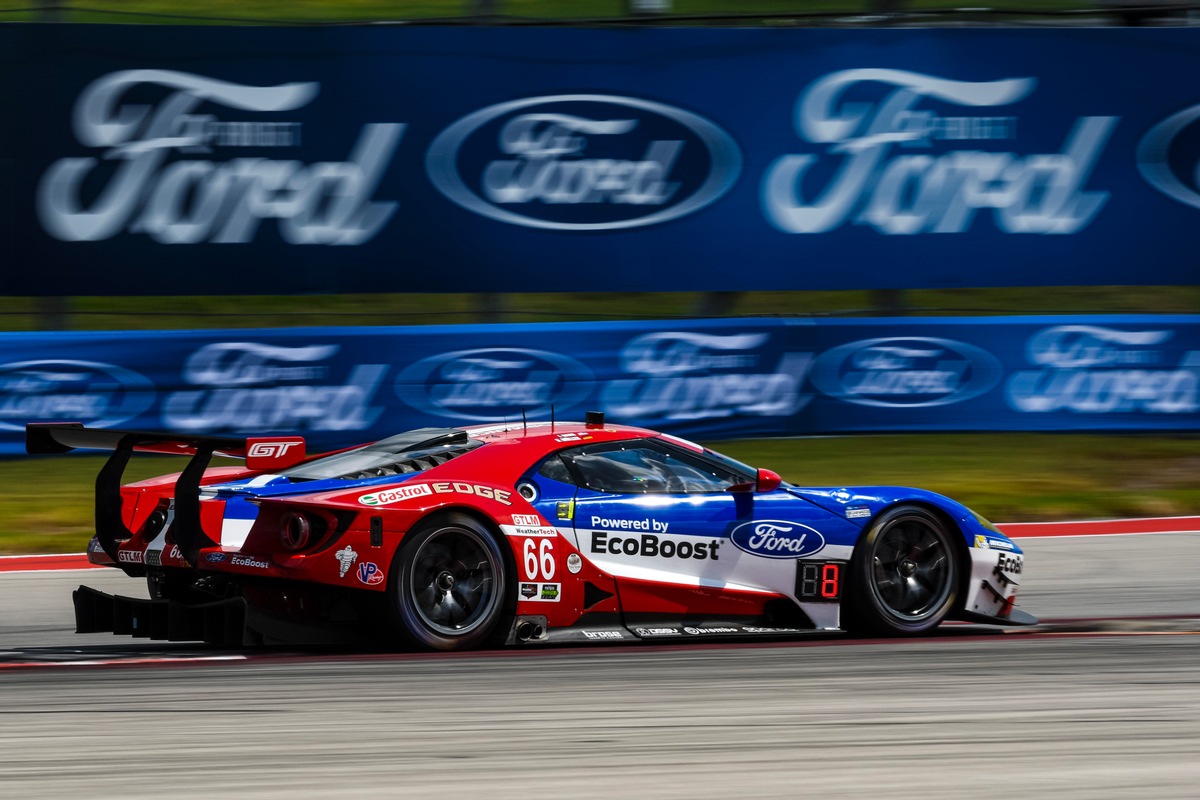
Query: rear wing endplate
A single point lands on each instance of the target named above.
(260, 453)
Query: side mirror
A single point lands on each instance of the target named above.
(768, 481)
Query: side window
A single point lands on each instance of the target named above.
(555, 470)
(646, 468)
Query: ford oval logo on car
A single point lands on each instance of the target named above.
(905, 372)
(583, 162)
(494, 383)
(100, 395)
(773, 538)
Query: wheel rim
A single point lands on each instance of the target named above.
(451, 582)
(912, 569)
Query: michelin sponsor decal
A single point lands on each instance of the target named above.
(888, 142)
(684, 375)
(1092, 369)
(59, 390)
(490, 384)
(252, 386)
(134, 186)
(583, 162)
(345, 558)
(905, 372)
(987, 542)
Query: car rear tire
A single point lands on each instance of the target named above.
(904, 574)
(449, 584)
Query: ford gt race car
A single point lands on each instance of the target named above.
(520, 534)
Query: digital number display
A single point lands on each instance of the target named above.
(820, 581)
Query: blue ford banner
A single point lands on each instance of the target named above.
(701, 379)
(161, 160)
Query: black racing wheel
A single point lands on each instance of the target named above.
(449, 584)
(904, 574)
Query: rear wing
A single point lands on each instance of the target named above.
(260, 453)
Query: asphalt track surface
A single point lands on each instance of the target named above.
(1101, 701)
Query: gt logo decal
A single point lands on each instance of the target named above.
(271, 449)
(269, 453)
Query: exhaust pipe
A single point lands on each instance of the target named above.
(527, 631)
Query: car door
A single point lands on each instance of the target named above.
(659, 519)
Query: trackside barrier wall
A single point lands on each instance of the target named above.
(700, 379)
(158, 160)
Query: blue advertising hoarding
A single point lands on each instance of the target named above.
(164, 160)
(705, 380)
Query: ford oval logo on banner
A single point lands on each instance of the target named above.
(583, 162)
(773, 538)
(905, 372)
(100, 395)
(491, 384)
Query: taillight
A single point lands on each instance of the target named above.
(295, 531)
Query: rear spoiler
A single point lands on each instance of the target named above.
(260, 453)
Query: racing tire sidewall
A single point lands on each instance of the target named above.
(865, 612)
(408, 621)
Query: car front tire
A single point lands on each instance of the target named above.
(904, 574)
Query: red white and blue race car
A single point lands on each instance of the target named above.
(453, 538)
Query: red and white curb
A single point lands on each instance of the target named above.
(1102, 527)
(46, 563)
(1017, 530)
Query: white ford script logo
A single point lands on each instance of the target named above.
(889, 177)
(195, 199)
(583, 162)
(682, 375)
(1097, 370)
(257, 386)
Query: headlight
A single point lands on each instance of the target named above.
(989, 526)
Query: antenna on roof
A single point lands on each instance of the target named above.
(524, 422)
(552, 417)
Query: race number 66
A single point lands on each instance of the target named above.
(538, 555)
